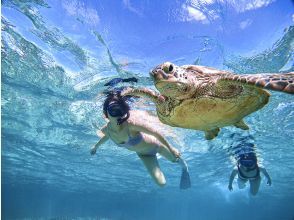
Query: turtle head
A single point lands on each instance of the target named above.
(170, 80)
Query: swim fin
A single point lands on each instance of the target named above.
(116, 81)
(185, 179)
(113, 82)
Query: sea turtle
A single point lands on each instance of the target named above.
(207, 99)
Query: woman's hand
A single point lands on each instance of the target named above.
(93, 150)
(175, 152)
(101, 141)
(230, 187)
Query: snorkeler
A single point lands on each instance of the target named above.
(126, 131)
(248, 169)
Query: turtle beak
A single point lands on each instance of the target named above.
(158, 74)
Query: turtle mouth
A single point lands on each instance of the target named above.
(166, 83)
(158, 74)
(163, 84)
(161, 76)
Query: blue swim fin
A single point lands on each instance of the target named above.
(113, 82)
(185, 179)
(116, 81)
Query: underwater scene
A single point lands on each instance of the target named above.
(199, 109)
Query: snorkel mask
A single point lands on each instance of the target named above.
(248, 161)
(114, 109)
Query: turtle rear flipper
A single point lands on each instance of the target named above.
(209, 135)
(283, 82)
(242, 125)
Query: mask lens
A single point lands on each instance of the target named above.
(247, 163)
(114, 110)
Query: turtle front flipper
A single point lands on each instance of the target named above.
(283, 82)
(143, 92)
(211, 134)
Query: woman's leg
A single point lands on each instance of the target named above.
(241, 183)
(158, 147)
(172, 155)
(165, 151)
(254, 186)
(185, 182)
(151, 164)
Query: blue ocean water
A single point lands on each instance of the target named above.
(57, 55)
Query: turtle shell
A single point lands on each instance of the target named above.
(207, 112)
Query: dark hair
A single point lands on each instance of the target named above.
(248, 159)
(249, 155)
(120, 101)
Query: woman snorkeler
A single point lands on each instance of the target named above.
(128, 132)
(248, 170)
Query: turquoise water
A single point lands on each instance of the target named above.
(56, 57)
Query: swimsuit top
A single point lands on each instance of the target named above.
(244, 177)
(132, 141)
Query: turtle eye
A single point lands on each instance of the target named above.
(168, 67)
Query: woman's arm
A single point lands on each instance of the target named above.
(103, 138)
(100, 142)
(263, 170)
(232, 177)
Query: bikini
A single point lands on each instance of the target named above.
(243, 177)
(133, 141)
